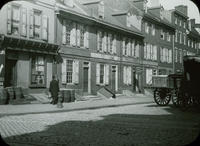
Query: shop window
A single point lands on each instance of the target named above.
(38, 70)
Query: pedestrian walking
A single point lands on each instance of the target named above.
(54, 89)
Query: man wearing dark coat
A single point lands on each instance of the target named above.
(54, 89)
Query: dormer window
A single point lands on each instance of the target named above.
(101, 10)
(69, 3)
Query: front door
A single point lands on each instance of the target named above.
(85, 79)
(113, 77)
(134, 81)
(10, 73)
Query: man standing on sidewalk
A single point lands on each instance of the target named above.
(54, 89)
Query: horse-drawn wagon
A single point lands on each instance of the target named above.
(183, 89)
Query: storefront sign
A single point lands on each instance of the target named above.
(104, 56)
(150, 63)
(129, 59)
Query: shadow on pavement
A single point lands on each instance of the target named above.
(114, 130)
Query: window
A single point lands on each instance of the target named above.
(180, 37)
(127, 75)
(153, 30)
(37, 70)
(149, 73)
(13, 17)
(162, 35)
(102, 74)
(180, 22)
(184, 24)
(100, 41)
(192, 42)
(188, 42)
(37, 24)
(154, 52)
(146, 27)
(180, 55)
(176, 20)
(168, 37)
(70, 71)
(184, 38)
(176, 36)
(75, 34)
(176, 55)
(101, 10)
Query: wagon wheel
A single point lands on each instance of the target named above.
(162, 96)
(175, 99)
(184, 100)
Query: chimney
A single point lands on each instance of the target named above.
(141, 4)
(183, 9)
(154, 3)
(192, 21)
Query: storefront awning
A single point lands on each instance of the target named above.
(27, 45)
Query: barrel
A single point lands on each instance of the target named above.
(11, 93)
(66, 95)
(4, 98)
(18, 92)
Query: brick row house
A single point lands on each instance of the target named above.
(90, 44)
(97, 49)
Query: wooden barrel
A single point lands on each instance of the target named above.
(4, 98)
(66, 95)
(72, 95)
(11, 93)
(18, 92)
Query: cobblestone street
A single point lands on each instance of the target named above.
(117, 123)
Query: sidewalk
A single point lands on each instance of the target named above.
(79, 105)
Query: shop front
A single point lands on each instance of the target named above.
(28, 63)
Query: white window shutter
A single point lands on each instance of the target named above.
(73, 71)
(123, 46)
(9, 12)
(109, 42)
(73, 35)
(130, 78)
(63, 71)
(124, 74)
(127, 75)
(64, 32)
(105, 42)
(44, 27)
(86, 37)
(114, 49)
(107, 74)
(31, 24)
(24, 21)
(129, 48)
(137, 50)
(76, 71)
(78, 35)
(133, 48)
(97, 73)
(98, 40)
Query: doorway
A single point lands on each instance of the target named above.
(86, 78)
(114, 79)
(10, 73)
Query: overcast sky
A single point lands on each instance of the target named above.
(193, 11)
